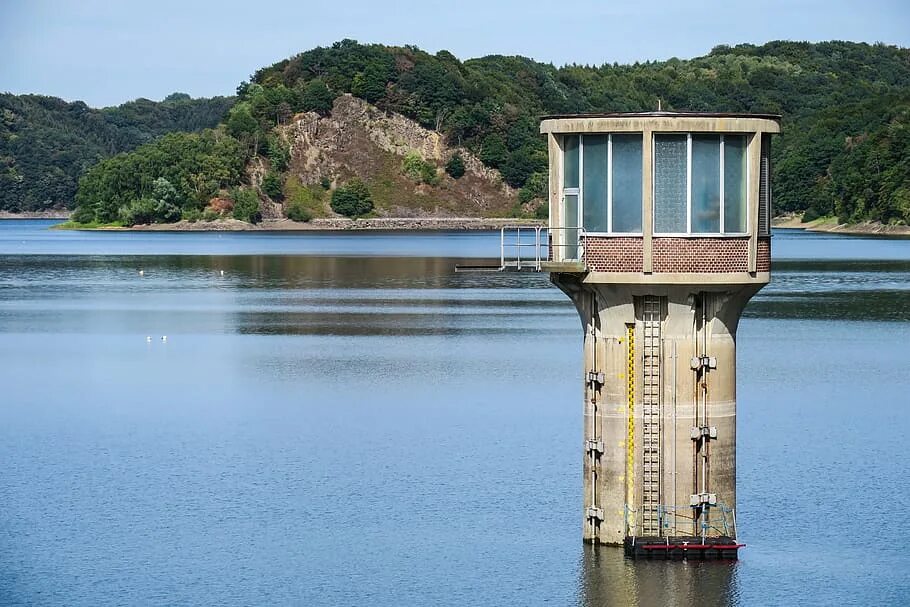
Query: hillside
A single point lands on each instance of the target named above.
(843, 151)
(46, 143)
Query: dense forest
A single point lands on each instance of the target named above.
(46, 144)
(844, 150)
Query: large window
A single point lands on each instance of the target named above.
(699, 184)
(603, 174)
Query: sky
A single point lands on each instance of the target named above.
(109, 52)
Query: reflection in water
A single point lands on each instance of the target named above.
(609, 579)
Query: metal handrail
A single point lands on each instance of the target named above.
(683, 521)
(535, 242)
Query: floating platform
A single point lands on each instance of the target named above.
(678, 548)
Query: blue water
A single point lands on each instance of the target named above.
(342, 420)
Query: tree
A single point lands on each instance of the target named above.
(317, 97)
(272, 186)
(455, 166)
(352, 199)
(246, 205)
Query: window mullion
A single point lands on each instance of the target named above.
(610, 183)
(580, 218)
(723, 193)
(689, 183)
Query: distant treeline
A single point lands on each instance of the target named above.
(844, 149)
(46, 144)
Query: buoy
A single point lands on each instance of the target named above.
(164, 338)
(141, 272)
(148, 338)
(222, 272)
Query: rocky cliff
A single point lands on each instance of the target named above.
(360, 140)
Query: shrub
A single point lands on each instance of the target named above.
(297, 211)
(210, 214)
(810, 215)
(140, 211)
(535, 187)
(353, 199)
(326, 183)
(246, 205)
(455, 166)
(192, 215)
(418, 169)
(271, 186)
(83, 214)
(542, 211)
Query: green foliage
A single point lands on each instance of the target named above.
(184, 170)
(826, 92)
(304, 202)
(542, 211)
(191, 215)
(279, 153)
(298, 211)
(418, 169)
(535, 187)
(317, 97)
(326, 183)
(46, 143)
(455, 166)
(272, 186)
(246, 205)
(352, 199)
(842, 152)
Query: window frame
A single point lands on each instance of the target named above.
(689, 233)
(579, 191)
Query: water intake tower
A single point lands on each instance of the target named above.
(659, 232)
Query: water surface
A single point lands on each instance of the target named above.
(341, 419)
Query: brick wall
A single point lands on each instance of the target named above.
(763, 259)
(615, 254)
(706, 255)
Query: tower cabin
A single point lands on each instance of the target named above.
(659, 232)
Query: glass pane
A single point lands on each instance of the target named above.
(669, 183)
(734, 183)
(595, 183)
(570, 162)
(568, 237)
(705, 184)
(626, 183)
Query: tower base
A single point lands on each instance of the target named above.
(678, 548)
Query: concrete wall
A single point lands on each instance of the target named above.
(696, 319)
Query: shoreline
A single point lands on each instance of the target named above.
(330, 225)
(831, 225)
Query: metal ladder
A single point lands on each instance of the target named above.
(650, 400)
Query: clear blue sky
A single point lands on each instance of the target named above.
(106, 52)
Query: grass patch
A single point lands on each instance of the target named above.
(304, 200)
(92, 225)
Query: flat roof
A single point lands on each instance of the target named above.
(662, 114)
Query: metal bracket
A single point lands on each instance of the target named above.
(701, 499)
(596, 377)
(703, 362)
(698, 432)
(593, 512)
(594, 444)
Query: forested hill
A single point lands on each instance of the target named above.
(844, 150)
(46, 143)
(846, 107)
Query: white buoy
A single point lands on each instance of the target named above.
(164, 338)
(222, 272)
(148, 338)
(141, 272)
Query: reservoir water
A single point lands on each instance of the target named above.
(339, 419)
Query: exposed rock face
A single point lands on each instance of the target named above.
(361, 140)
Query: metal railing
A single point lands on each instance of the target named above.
(527, 247)
(684, 521)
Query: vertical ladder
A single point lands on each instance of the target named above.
(650, 400)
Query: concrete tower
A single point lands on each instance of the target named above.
(659, 233)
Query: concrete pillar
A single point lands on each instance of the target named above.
(693, 323)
